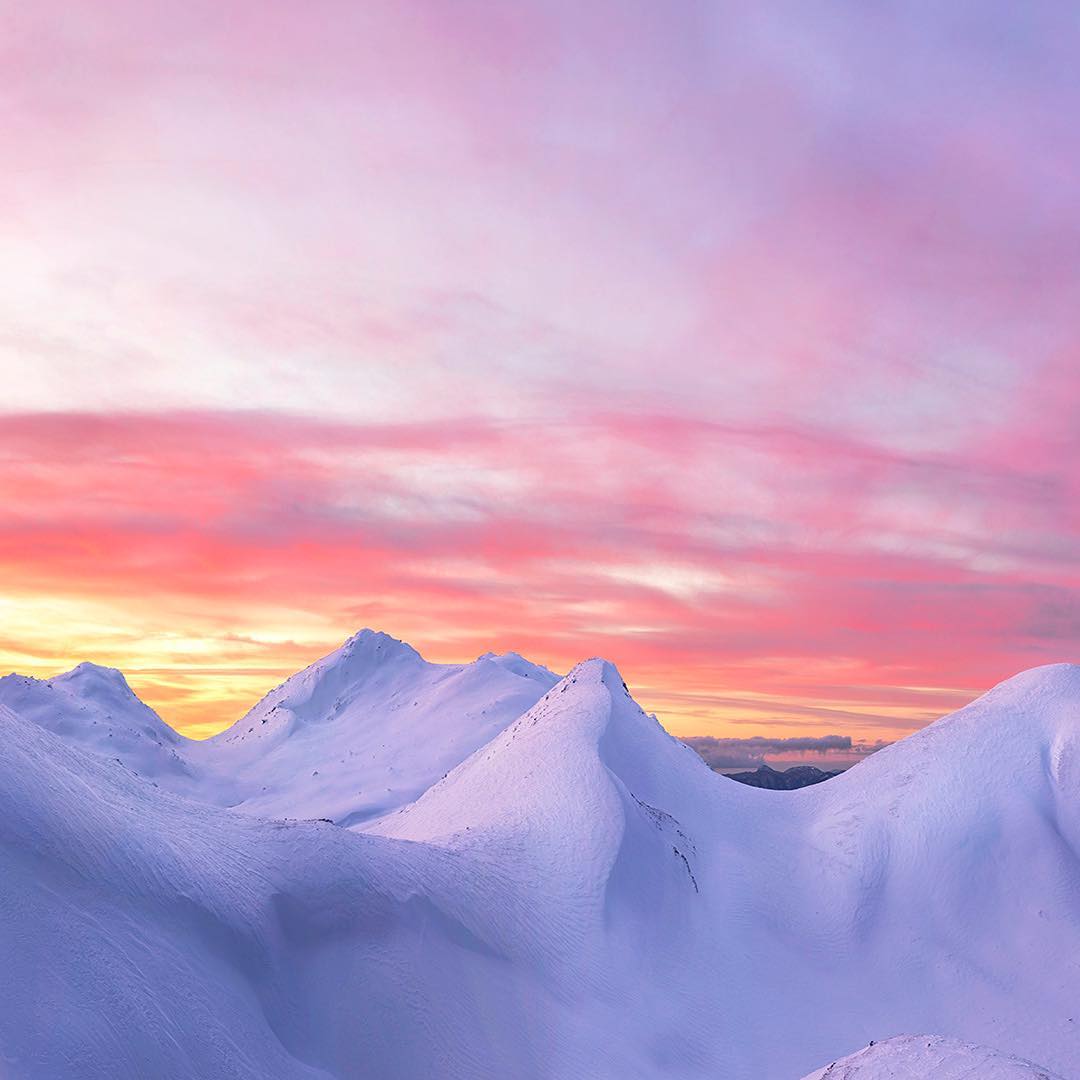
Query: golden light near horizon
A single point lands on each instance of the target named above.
(502, 358)
(202, 684)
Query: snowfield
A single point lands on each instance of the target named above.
(366, 730)
(357, 734)
(525, 876)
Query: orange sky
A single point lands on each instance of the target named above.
(211, 555)
(202, 685)
(741, 350)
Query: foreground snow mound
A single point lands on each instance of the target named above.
(146, 935)
(934, 886)
(584, 821)
(561, 785)
(930, 1057)
(367, 729)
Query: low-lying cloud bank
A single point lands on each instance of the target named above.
(751, 752)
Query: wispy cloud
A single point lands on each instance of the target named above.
(720, 753)
(736, 343)
(785, 606)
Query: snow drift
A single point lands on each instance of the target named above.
(578, 895)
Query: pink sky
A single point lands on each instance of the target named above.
(737, 343)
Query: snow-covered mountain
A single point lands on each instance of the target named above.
(355, 735)
(367, 729)
(580, 896)
(93, 707)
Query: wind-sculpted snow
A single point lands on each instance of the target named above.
(930, 1057)
(579, 895)
(144, 935)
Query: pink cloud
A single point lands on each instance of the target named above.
(649, 562)
(736, 344)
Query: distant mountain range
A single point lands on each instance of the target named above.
(798, 776)
(397, 869)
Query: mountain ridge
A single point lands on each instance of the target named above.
(577, 895)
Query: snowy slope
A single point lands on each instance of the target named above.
(366, 729)
(936, 886)
(920, 1057)
(947, 866)
(579, 897)
(360, 732)
(95, 708)
(144, 935)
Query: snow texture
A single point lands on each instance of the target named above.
(920, 1057)
(355, 735)
(522, 877)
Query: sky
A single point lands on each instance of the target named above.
(738, 343)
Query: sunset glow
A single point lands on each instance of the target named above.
(744, 354)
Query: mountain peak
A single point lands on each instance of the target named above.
(374, 646)
(518, 665)
(88, 672)
(95, 682)
(91, 703)
(1056, 679)
(598, 670)
(361, 656)
(325, 689)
